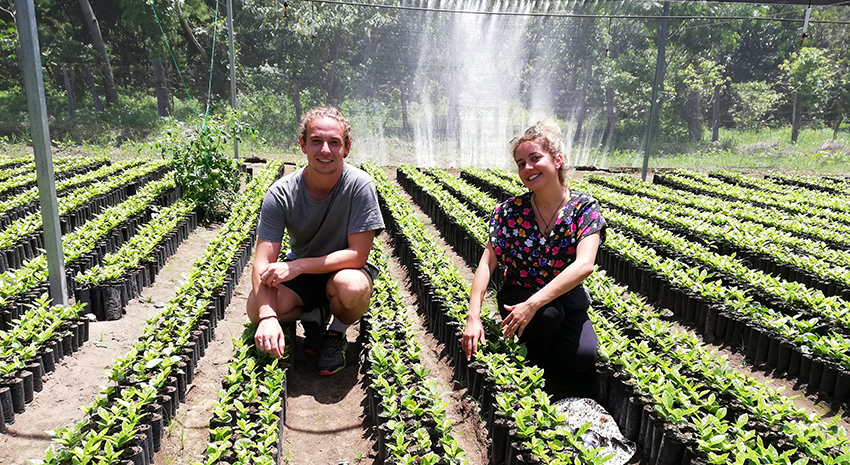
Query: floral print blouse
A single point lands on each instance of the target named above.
(531, 260)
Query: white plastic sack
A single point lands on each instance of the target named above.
(603, 430)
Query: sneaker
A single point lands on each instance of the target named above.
(313, 337)
(314, 333)
(332, 358)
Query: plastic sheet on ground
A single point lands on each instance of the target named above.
(603, 430)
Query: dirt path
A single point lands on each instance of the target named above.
(78, 378)
(325, 416)
(185, 440)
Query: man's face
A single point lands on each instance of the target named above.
(324, 145)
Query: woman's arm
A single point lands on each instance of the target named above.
(474, 331)
(568, 279)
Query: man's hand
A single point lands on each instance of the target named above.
(472, 335)
(277, 273)
(269, 337)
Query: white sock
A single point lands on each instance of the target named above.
(314, 316)
(338, 326)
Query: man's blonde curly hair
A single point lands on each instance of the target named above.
(325, 111)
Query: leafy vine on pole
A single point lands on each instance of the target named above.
(201, 166)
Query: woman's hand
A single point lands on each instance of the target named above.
(269, 337)
(516, 322)
(472, 335)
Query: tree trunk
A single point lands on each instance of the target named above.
(160, 87)
(296, 100)
(100, 46)
(840, 113)
(405, 124)
(581, 100)
(69, 93)
(692, 116)
(611, 112)
(715, 115)
(188, 31)
(333, 82)
(798, 113)
(98, 105)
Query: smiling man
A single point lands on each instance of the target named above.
(330, 211)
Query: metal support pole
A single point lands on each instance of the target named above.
(656, 88)
(36, 104)
(232, 71)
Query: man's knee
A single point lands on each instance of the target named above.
(351, 287)
(286, 305)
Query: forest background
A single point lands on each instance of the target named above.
(737, 92)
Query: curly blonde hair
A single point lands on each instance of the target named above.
(548, 135)
(329, 112)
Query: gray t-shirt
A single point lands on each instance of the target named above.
(317, 228)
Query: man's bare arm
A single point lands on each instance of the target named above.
(266, 254)
(353, 257)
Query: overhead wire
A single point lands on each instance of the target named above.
(568, 15)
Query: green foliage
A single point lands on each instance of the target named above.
(201, 165)
(811, 72)
(703, 75)
(755, 102)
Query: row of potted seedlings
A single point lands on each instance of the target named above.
(32, 348)
(27, 202)
(84, 247)
(763, 246)
(724, 314)
(249, 416)
(784, 295)
(22, 239)
(124, 424)
(455, 221)
(443, 293)
(11, 167)
(63, 167)
(708, 186)
(665, 394)
(814, 438)
(830, 232)
(792, 200)
(105, 289)
(815, 198)
(406, 407)
(248, 419)
(820, 183)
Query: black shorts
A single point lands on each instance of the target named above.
(312, 288)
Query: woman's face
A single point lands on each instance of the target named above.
(536, 166)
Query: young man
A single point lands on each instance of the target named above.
(330, 211)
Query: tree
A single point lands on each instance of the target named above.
(809, 74)
(704, 79)
(755, 104)
(99, 45)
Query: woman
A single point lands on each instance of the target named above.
(546, 240)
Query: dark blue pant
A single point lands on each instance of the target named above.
(558, 340)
